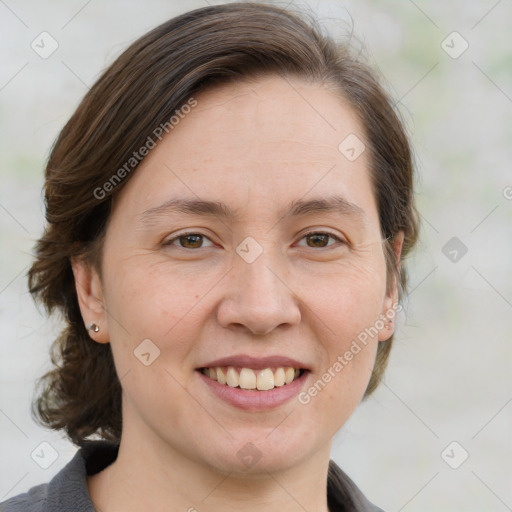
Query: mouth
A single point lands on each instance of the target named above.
(254, 384)
(251, 379)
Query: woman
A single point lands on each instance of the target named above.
(228, 211)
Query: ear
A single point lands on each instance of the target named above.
(90, 299)
(388, 312)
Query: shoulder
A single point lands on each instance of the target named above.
(68, 489)
(31, 501)
(344, 495)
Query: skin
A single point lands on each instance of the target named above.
(255, 146)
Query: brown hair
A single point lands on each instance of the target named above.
(142, 90)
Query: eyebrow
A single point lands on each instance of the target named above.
(205, 208)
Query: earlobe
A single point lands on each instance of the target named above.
(389, 310)
(91, 300)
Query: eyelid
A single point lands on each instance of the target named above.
(323, 232)
(169, 241)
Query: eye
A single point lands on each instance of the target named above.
(189, 241)
(318, 240)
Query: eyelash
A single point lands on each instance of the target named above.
(192, 233)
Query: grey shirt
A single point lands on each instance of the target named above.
(68, 491)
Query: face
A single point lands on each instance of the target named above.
(245, 234)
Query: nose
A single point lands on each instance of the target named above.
(258, 298)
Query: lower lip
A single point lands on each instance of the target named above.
(252, 400)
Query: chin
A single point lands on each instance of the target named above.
(261, 454)
(254, 462)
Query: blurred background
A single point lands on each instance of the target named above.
(437, 434)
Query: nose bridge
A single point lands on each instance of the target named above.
(257, 261)
(256, 296)
(259, 277)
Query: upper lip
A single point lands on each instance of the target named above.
(257, 363)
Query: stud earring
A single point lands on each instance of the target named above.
(93, 327)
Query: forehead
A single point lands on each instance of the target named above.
(273, 115)
(271, 139)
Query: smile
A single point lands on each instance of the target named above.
(253, 379)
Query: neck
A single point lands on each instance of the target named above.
(150, 475)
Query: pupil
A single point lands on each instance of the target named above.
(319, 239)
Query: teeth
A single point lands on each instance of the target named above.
(265, 380)
(232, 378)
(289, 374)
(262, 380)
(247, 379)
(279, 377)
(220, 375)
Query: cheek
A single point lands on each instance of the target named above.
(148, 301)
(347, 295)
(344, 309)
(153, 298)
